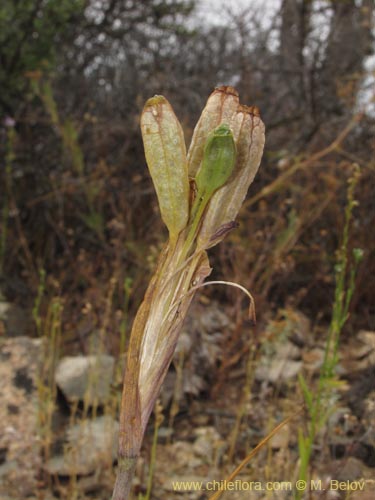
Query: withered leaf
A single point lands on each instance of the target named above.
(161, 330)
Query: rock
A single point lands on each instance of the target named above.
(313, 359)
(287, 350)
(359, 354)
(213, 319)
(368, 492)
(206, 443)
(359, 395)
(165, 433)
(279, 370)
(281, 347)
(292, 323)
(20, 457)
(85, 378)
(183, 456)
(281, 439)
(198, 352)
(352, 470)
(184, 345)
(342, 421)
(89, 445)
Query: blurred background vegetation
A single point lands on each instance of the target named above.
(78, 210)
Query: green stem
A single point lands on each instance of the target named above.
(196, 217)
(152, 460)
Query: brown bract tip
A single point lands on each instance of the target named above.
(251, 110)
(227, 89)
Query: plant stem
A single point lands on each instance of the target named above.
(125, 473)
(344, 289)
(196, 215)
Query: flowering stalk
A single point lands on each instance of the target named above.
(223, 159)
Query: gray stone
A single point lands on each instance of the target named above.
(214, 319)
(19, 425)
(206, 442)
(278, 370)
(90, 445)
(85, 378)
(281, 439)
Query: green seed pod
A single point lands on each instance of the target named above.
(218, 160)
(248, 131)
(220, 108)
